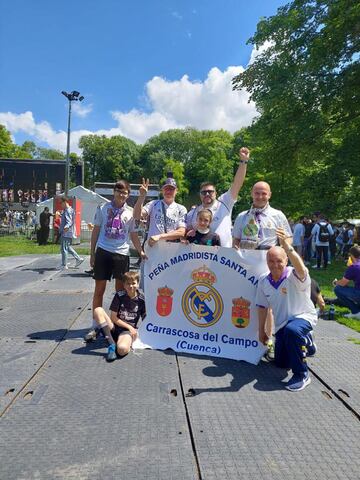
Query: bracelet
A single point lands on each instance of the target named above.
(244, 161)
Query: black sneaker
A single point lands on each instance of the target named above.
(92, 335)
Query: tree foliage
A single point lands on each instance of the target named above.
(9, 149)
(306, 86)
(107, 159)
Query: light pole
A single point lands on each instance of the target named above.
(73, 96)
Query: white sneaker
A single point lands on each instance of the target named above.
(79, 262)
(62, 267)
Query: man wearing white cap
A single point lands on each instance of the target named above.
(166, 217)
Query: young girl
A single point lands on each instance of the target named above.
(202, 234)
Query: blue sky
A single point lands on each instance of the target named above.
(143, 66)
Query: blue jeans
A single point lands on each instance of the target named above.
(349, 297)
(290, 345)
(66, 248)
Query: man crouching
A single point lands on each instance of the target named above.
(287, 291)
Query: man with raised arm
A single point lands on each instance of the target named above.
(222, 206)
(166, 217)
(286, 290)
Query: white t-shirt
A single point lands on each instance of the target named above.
(221, 222)
(256, 227)
(115, 226)
(299, 232)
(315, 233)
(288, 298)
(174, 216)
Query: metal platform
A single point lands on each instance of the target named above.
(67, 414)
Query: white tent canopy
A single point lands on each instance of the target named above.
(90, 200)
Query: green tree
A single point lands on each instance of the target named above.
(8, 149)
(107, 159)
(211, 161)
(177, 144)
(306, 86)
(177, 170)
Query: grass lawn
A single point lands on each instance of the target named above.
(325, 278)
(20, 245)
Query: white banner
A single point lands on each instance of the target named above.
(201, 300)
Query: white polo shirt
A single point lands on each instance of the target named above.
(288, 297)
(174, 217)
(256, 227)
(221, 222)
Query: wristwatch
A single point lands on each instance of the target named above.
(291, 249)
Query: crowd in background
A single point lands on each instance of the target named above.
(15, 218)
(338, 238)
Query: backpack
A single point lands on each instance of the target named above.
(324, 235)
(345, 236)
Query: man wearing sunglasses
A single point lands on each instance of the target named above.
(110, 248)
(221, 207)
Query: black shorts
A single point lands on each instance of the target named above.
(110, 265)
(117, 332)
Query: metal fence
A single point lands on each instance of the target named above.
(30, 232)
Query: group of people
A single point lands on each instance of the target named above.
(16, 218)
(283, 295)
(319, 238)
(283, 299)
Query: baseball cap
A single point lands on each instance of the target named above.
(169, 182)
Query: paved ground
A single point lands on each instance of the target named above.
(67, 414)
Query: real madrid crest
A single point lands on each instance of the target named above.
(201, 302)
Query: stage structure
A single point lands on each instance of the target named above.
(28, 181)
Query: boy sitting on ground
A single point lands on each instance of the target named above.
(120, 329)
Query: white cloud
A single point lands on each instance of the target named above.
(209, 104)
(81, 110)
(41, 132)
(177, 15)
(258, 51)
(139, 126)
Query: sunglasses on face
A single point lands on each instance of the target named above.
(207, 192)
